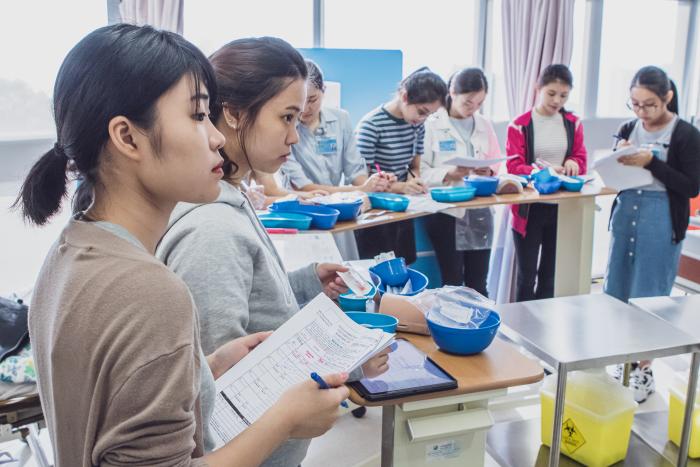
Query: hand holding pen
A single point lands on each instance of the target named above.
(323, 385)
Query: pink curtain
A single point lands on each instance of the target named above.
(536, 34)
(161, 14)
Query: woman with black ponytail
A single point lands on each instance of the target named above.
(648, 223)
(114, 332)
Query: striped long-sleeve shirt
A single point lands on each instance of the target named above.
(390, 142)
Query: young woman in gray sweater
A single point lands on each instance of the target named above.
(220, 249)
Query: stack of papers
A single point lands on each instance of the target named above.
(320, 338)
(618, 176)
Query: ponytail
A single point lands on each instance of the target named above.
(673, 105)
(44, 188)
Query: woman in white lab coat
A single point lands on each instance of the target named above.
(462, 244)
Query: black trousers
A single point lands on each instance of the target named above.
(398, 237)
(469, 267)
(533, 281)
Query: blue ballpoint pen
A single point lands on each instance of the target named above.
(323, 385)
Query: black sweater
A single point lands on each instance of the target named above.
(680, 173)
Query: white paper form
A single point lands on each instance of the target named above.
(319, 338)
(302, 249)
(618, 176)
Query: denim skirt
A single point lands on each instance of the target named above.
(643, 260)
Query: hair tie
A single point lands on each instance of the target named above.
(58, 150)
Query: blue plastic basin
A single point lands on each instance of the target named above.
(285, 220)
(453, 194)
(350, 302)
(388, 201)
(348, 211)
(542, 176)
(322, 217)
(392, 271)
(485, 186)
(374, 320)
(463, 341)
(419, 282)
(551, 186)
(572, 186)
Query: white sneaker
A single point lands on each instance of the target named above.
(642, 383)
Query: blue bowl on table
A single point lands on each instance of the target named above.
(374, 320)
(285, 205)
(545, 188)
(392, 271)
(348, 211)
(576, 185)
(322, 217)
(453, 194)
(542, 176)
(285, 220)
(351, 302)
(419, 282)
(464, 341)
(388, 201)
(485, 186)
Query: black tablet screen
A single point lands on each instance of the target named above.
(410, 372)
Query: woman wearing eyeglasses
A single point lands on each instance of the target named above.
(648, 223)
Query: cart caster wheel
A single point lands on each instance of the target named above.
(359, 412)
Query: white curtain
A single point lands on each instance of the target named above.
(536, 34)
(161, 14)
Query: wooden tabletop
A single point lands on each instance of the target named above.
(529, 195)
(500, 366)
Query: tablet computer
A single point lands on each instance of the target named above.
(410, 372)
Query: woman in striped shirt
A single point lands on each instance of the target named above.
(390, 138)
(549, 136)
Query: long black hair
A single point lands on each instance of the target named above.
(465, 81)
(657, 81)
(117, 70)
(423, 87)
(249, 72)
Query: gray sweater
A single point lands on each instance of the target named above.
(237, 279)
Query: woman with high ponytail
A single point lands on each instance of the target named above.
(648, 223)
(114, 332)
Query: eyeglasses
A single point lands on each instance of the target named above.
(640, 107)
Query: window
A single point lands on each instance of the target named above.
(441, 35)
(209, 24)
(638, 33)
(36, 36)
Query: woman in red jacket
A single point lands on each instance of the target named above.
(546, 135)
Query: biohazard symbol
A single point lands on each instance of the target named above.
(571, 437)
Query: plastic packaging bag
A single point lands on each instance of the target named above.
(456, 307)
